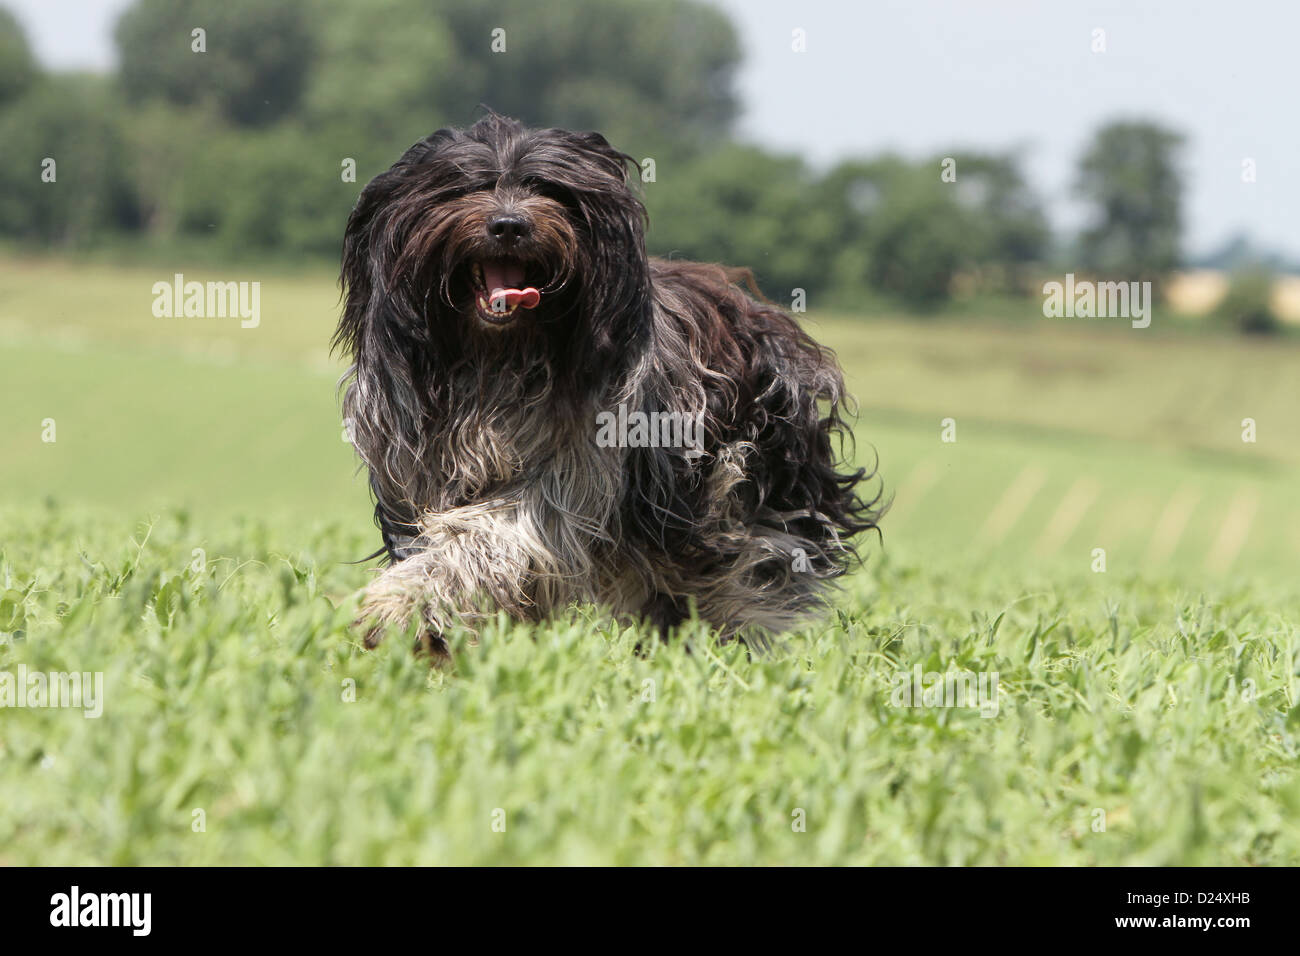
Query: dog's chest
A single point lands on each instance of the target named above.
(523, 448)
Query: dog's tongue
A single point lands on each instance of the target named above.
(502, 278)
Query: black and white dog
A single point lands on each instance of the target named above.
(548, 415)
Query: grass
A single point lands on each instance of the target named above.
(188, 532)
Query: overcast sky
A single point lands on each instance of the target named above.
(920, 76)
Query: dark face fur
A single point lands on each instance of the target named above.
(498, 301)
(499, 239)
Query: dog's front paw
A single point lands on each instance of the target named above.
(383, 609)
(383, 613)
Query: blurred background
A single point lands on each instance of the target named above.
(913, 172)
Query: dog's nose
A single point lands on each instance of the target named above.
(508, 227)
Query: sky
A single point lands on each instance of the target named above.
(927, 77)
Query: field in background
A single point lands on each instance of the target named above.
(1162, 692)
(1070, 436)
(1197, 292)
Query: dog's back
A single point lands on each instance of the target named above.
(754, 526)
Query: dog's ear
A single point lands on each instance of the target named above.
(369, 250)
(617, 298)
(355, 275)
(361, 263)
(377, 330)
(602, 154)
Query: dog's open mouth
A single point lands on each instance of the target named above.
(500, 288)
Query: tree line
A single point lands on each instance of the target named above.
(247, 129)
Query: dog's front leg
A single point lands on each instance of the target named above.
(470, 563)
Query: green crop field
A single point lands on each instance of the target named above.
(1098, 535)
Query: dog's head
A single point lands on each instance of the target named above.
(498, 230)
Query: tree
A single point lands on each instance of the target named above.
(649, 74)
(742, 206)
(621, 67)
(253, 65)
(1006, 230)
(655, 77)
(909, 231)
(376, 87)
(62, 179)
(1130, 178)
(17, 66)
(916, 240)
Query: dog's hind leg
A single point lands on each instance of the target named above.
(664, 613)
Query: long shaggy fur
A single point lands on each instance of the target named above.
(491, 489)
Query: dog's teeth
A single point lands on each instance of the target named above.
(496, 307)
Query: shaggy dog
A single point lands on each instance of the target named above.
(550, 416)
